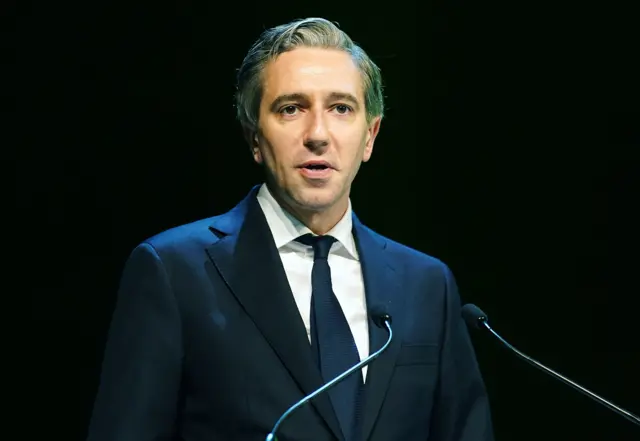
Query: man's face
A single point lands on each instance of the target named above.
(313, 131)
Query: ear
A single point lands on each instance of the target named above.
(253, 140)
(255, 148)
(372, 132)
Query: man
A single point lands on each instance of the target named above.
(224, 323)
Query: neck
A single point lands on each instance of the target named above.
(320, 222)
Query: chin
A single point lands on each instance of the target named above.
(315, 199)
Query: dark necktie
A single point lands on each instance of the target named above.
(331, 339)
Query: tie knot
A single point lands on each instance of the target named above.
(321, 244)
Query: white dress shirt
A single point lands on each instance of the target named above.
(297, 259)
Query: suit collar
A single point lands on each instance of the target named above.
(382, 279)
(247, 258)
(285, 228)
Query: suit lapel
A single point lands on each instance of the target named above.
(248, 261)
(381, 282)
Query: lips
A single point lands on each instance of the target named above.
(317, 171)
(316, 165)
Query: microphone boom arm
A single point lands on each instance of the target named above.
(339, 378)
(626, 414)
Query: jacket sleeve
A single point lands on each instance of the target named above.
(139, 385)
(462, 409)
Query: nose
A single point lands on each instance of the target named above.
(317, 135)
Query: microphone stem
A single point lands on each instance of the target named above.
(626, 414)
(272, 436)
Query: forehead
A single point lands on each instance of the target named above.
(312, 71)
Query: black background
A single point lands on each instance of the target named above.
(509, 151)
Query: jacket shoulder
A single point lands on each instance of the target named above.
(182, 236)
(409, 255)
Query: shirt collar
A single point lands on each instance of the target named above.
(285, 228)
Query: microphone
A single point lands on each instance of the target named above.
(382, 319)
(476, 318)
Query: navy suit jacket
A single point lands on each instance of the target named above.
(207, 344)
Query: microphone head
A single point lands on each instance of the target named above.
(379, 315)
(473, 316)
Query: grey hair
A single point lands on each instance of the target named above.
(309, 32)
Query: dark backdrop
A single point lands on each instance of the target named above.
(509, 151)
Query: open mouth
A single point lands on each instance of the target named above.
(316, 167)
(316, 171)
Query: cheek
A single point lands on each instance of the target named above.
(272, 154)
(355, 143)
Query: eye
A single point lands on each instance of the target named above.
(342, 109)
(289, 110)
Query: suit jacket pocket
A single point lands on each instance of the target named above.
(412, 354)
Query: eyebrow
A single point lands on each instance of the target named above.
(333, 96)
